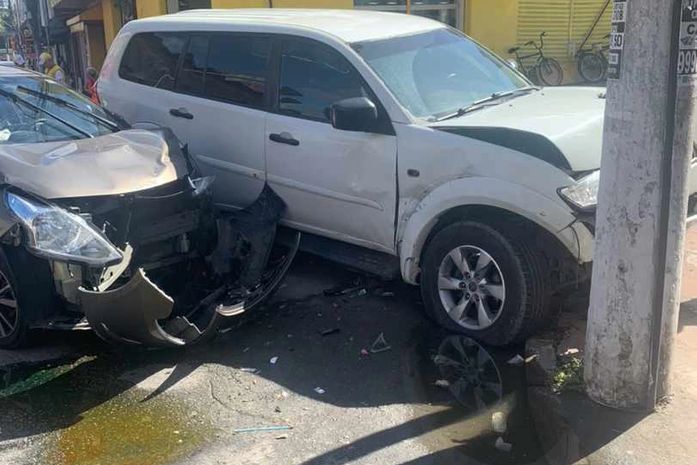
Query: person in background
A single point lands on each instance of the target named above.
(91, 85)
(19, 60)
(51, 68)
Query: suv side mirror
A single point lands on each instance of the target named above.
(354, 114)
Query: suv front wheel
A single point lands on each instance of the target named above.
(482, 282)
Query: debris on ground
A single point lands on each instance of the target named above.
(319, 390)
(386, 294)
(273, 360)
(517, 360)
(254, 371)
(261, 429)
(498, 422)
(330, 331)
(336, 291)
(362, 292)
(380, 345)
(277, 409)
(282, 436)
(364, 353)
(502, 445)
(442, 383)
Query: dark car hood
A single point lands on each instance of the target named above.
(119, 163)
(565, 120)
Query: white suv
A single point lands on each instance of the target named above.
(392, 133)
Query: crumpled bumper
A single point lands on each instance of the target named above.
(130, 313)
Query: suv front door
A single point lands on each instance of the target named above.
(340, 184)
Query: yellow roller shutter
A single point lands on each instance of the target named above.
(584, 14)
(552, 16)
(566, 22)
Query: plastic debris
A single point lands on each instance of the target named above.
(284, 394)
(572, 351)
(249, 370)
(364, 353)
(319, 390)
(330, 331)
(362, 292)
(517, 360)
(442, 383)
(380, 345)
(502, 445)
(260, 429)
(282, 436)
(498, 422)
(277, 409)
(246, 349)
(530, 358)
(387, 294)
(341, 291)
(273, 360)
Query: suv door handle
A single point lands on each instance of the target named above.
(181, 113)
(284, 138)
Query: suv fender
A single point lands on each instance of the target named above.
(553, 215)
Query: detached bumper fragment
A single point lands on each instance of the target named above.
(130, 313)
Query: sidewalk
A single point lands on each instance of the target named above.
(574, 430)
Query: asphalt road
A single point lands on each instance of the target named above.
(323, 398)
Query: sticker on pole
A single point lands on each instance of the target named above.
(687, 52)
(614, 56)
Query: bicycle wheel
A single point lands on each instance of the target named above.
(592, 67)
(550, 72)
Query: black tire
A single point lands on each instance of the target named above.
(522, 271)
(592, 67)
(30, 285)
(550, 72)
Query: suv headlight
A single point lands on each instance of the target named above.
(584, 194)
(61, 235)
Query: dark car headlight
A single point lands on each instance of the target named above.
(58, 234)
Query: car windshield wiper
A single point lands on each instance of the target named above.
(72, 106)
(493, 99)
(17, 99)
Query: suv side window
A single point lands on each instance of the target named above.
(313, 76)
(193, 67)
(151, 58)
(237, 69)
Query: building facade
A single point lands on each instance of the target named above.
(89, 26)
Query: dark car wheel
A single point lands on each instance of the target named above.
(25, 295)
(483, 283)
(13, 321)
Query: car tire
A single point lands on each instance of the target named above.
(506, 279)
(26, 280)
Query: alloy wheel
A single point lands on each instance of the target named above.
(9, 314)
(471, 287)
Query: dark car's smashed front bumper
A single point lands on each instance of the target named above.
(142, 303)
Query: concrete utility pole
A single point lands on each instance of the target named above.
(648, 140)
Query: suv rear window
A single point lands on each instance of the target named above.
(151, 59)
(236, 69)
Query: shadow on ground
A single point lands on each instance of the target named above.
(470, 405)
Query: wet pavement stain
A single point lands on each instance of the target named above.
(129, 431)
(485, 415)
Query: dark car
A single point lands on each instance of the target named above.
(110, 227)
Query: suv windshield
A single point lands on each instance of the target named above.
(37, 109)
(438, 72)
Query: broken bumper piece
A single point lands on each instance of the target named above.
(130, 313)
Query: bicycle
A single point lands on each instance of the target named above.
(545, 70)
(592, 62)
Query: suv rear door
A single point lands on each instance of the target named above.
(214, 99)
(340, 184)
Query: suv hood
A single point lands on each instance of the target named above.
(119, 163)
(561, 125)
